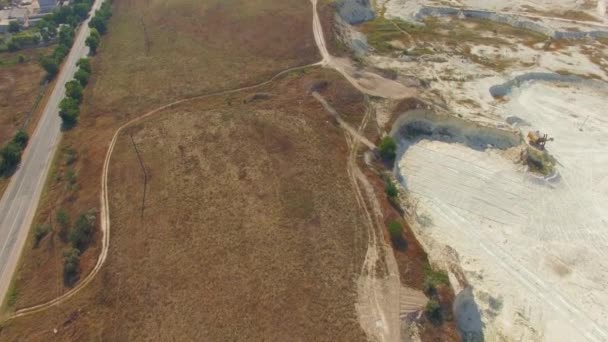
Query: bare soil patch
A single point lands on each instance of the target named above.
(251, 229)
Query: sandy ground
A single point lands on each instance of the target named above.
(534, 251)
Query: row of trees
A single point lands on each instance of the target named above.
(69, 107)
(99, 26)
(61, 24)
(10, 154)
(81, 234)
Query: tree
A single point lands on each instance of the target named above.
(13, 26)
(82, 77)
(74, 90)
(21, 138)
(69, 111)
(11, 157)
(84, 64)
(66, 36)
(50, 65)
(93, 41)
(388, 148)
(98, 23)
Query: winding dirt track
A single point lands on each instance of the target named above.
(105, 208)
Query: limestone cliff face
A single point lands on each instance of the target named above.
(355, 11)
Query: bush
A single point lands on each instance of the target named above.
(80, 236)
(13, 26)
(40, 232)
(388, 148)
(391, 189)
(433, 312)
(71, 265)
(11, 157)
(63, 219)
(395, 230)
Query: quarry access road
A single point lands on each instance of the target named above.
(20, 200)
(366, 82)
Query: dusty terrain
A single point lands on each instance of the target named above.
(524, 250)
(125, 84)
(261, 186)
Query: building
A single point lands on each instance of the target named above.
(47, 5)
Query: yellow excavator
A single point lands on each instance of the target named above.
(538, 139)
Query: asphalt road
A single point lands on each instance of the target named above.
(20, 200)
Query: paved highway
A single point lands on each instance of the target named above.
(20, 200)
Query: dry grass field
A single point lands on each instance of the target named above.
(250, 228)
(187, 48)
(20, 84)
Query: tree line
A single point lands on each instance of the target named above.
(60, 25)
(69, 108)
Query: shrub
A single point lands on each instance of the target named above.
(391, 189)
(13, 26)
(433, 312)
(395, 230)
(388, 148)
(71, 265)
(80, 236)
(40, 232)
(11, 157)
(63, 219)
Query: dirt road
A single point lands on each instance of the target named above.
(366, 82)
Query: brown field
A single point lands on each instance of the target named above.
(250, 230)
(250, 226)
(20, 84)
(192, 50)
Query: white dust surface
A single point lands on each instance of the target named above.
(535, 252)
